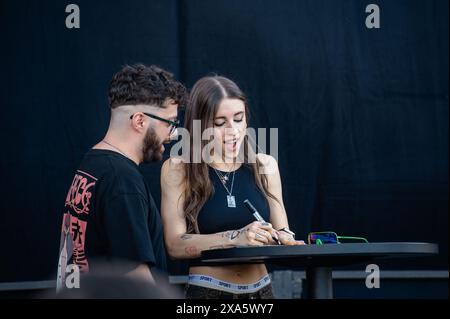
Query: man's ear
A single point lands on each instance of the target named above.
(138, 121)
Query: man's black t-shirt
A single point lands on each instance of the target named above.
(110, 215)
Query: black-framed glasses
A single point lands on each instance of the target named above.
(173, 124)
(328, 237)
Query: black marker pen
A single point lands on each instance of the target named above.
(258, 217)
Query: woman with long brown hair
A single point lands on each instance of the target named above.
(202, 198)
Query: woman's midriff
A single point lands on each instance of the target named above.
(237, 274)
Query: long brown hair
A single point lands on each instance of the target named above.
(204, 101)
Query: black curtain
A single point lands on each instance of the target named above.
(362, 114)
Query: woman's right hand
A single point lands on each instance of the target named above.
(255, 234)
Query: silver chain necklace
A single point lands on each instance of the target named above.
(231, 200)
(115, 148)
(223, 177)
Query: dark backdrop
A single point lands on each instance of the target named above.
(362, 113)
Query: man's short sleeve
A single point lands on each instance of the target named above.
(126, 226)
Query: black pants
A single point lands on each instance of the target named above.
(197, 292)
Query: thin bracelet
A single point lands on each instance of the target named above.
(288, 231)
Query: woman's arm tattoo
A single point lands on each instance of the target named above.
(186, 236)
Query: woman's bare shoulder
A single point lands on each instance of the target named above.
(268, 162)
(172, 171)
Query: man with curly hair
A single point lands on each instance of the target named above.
(109, 213)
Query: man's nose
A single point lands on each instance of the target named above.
(173, 136)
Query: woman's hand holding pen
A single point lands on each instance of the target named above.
(255, 234)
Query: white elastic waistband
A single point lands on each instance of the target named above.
(213, 283)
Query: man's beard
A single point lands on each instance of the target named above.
(151, 147)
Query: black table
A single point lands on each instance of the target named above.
(318, 259)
